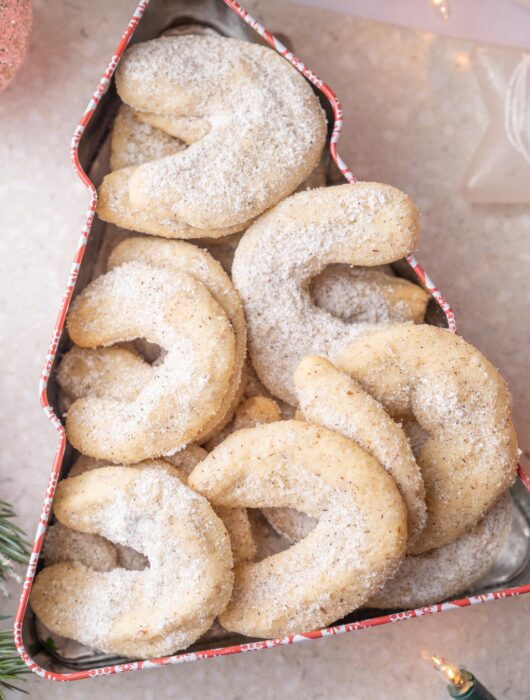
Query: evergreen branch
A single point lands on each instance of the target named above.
(11, 665)
(14, 547)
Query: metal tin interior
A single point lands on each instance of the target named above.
(61, 656)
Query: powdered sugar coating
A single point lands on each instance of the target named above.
(449, 570)
(64, 544)
(223, 249)
(115, 206)
(146, 613)
(187, 129)
(133, 142)
(468, 452)
(188, 258)
(357, 544)
(362, 224)
(367, 295)
(332, 399)
(112, 372)
(235, 520)
(128, 557)
(187, 388)
(254, 100)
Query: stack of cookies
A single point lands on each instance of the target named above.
(269, 436)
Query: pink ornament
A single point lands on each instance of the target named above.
(15, 28)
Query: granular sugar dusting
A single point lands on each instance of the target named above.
(63, 544)
(116, 207)
(449, 570)
(134, 143)
(169, 604)
(177, 312)
(253, 99)
(330, 398)
(368, 295)
(365, 224)
(356, 544)
(288, 591)
(114, 372)
(465, 444)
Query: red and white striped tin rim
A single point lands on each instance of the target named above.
(52, 416)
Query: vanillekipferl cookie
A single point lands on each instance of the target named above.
(364, 224)
(186, 390)
(330, 398)
(369, 295)
(357, 544)
(466, 447)
(181, 256)
(91, 550)
(148, 613)
(246, 96)
(449, 570)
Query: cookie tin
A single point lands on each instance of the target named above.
(63, 660)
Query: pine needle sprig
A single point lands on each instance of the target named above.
(14, 547)
(11, 665)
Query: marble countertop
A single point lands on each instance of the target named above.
(413, 115)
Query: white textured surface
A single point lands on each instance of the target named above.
(413, 118)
